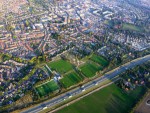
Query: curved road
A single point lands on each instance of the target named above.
(89, 85)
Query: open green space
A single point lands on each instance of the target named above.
(107, 100)
(47, 88)
(131, 27)
(60, 66)
(90, 69)
(99, 59)
(70, 79)
(126, 26)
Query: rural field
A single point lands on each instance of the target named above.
(108, 100)
(60, 66)
(47, 88)
(70, 79)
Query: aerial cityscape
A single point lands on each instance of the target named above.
(74, 56)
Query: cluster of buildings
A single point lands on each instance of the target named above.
(131, 80)
(139, 43)
(8, 5)
(76, 26)
(11, 72)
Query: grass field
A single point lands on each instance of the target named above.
(70, 79)
(126, 26)
(47, 88)
(131, 27)
(90, 69)
(108, 100)
(60, 66)
(100, 60)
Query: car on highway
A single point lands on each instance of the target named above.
(69, 95)
(44, 106)
(82, 88)
(95, 83)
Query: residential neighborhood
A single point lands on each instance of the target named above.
(49, 47)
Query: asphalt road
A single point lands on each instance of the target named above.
(89, 85)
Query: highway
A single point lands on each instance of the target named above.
(79, 90)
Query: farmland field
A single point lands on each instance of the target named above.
(70, 79)
(100, 60)
(47, 88)
(90, 69)
(107, 100)
(60, 66)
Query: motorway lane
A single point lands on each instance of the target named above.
(79, 90)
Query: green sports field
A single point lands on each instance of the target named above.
(100, 60)
(47, 88)
(127, 26)
(90, 69)
(131, 27)
(60, 66)
(107, 100)
(70, 79)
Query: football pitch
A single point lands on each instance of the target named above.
(70, 79)
(46, 88)
(131, 27)
(99, 59)
(60, 66)
(90, 69)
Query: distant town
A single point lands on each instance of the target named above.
(51, 47)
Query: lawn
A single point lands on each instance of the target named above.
(90, 69)
(99, 59)
(126, 26)
(107, 100)
(60, 66)
(47, 88)
(131, 27)
(70, 79)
